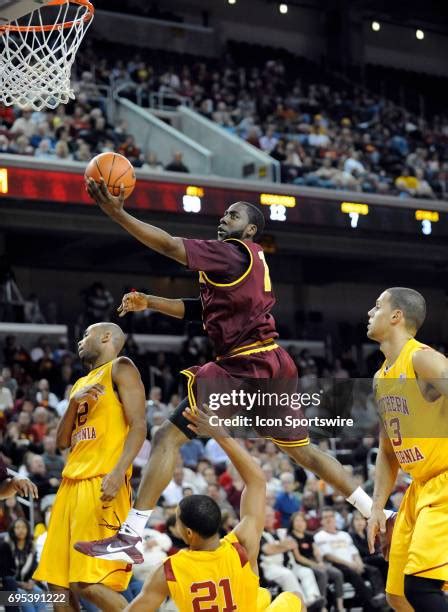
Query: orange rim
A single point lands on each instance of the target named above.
(88, 15)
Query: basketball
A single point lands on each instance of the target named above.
(115, 169)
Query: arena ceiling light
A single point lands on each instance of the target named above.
(231, 1)
(283, 8)
(376, 26)
(419, 34)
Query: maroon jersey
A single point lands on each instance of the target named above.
(236, 292)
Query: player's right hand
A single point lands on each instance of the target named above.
(132, 302)
(99, 192)
(89, 394)
(200, 423)
(376, 524)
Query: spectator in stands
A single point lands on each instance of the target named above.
(295, 578)
(44, 396)
(273, 484)
(62, 151)
(358, 532)
(424, 189)
(192, 452)
(10, 511)
(215, 454)
(24, 124)
(98, 303)
(25, 429)
(177, 164)
(407, 183)
(61, 406)
(152, 163)
(6, 398)
(155, 404)
(54, 463)
(308, 554)
(130, 150)
(173, 493)
(38, 474)
(8, 381)
(337, 547)
(21, 545)
(269, 140)
(287, 502)
(40, 423)
(33, 311)
(7, 571)
(82, 152)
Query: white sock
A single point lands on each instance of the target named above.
(361, 501)
(135, 522)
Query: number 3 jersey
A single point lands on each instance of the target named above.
(220, 580)
(417, 427)
(100, 430)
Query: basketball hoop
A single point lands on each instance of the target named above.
(36, 56)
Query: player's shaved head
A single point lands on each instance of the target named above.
(411, 303)
(117, 335)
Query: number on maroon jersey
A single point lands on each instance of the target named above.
(211, 596)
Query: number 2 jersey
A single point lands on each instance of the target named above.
(99, 432)
(417, 428)
(220, 580)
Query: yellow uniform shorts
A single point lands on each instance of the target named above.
(286, 602)
(419, 544)
(79, 514)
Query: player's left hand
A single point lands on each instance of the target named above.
(200, 423)
(111, 484)
(23, 487)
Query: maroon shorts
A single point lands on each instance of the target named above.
(269, 371)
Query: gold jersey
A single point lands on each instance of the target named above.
(99, 432)
(413, 424)
(220, 580)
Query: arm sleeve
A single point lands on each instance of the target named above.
(214, 256)
(193, 309)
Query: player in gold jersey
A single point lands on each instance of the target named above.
(104, 426)
(213, 574)
(411, 390)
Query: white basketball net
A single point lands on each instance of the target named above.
(35, 63)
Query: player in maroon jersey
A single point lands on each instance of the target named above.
(236, 303)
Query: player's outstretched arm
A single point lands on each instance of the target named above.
(131, 391)
(386, 469)
(253, 498)
(181, 308)
(154, 592)
(135, 301)
(151, 236)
